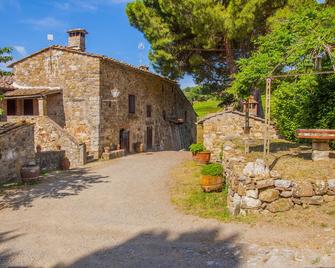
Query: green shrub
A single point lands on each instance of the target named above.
(212, 170)
(197, 147)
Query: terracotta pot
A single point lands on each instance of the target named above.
(29, 173)
(38, 148)
(202, 157)
(65, 163)
(211, 183)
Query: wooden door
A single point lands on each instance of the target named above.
(124, 139)
(149, 138)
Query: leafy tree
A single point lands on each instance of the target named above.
(300, 35)
(200, 37)
(4, 58)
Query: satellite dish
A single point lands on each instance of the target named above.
(50, 37)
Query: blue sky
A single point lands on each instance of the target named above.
(26, 23)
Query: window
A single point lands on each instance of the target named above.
(185, 116)
(28, 107)
(149, 110)
(131, 104)
(164, 115)
(11, 107)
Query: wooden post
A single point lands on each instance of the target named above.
(267, 140)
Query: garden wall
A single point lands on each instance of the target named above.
(228, 125)
(253, 189)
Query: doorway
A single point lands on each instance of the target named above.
(28, 107)
(124, 139)
(149, 138)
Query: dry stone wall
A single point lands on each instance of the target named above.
(253, 189)
(16, 150)
(228, 125)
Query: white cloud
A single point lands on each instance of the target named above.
(21, 50)
(44, 23)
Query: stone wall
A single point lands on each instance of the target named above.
(51, 137)
(160, 94)
(79, 78)
(229, 125)
(50, 160)
(16, 149)
(253, 189)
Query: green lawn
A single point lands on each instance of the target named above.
(206, 107)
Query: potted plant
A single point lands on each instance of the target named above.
(212, 178)
(199, 153)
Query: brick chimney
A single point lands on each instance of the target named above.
(76, 39)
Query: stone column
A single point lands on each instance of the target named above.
(320, 150)
(42, 107)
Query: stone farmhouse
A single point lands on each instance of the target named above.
(84, 102)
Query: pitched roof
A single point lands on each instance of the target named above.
(30, 92)
(7, 127)
(202, 120)
(6, 82)
(129, 66)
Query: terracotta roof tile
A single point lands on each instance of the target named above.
(31, 92)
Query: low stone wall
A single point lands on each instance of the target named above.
(16, 149)
(50, 160)
(51, 137)
(253, 189)
(228, 125)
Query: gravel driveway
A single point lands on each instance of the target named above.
(118, 214)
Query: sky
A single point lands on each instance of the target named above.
(25, 25)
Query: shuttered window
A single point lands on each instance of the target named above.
(131, 104)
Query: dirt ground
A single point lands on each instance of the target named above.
(118, 214)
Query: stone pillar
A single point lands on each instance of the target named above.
(42, 107)
(320, 150)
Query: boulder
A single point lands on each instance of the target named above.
(280, 205)
(303, 189)
(286, 194)
(252, 193)
(329, 198)
(255, 169)
(249, 203)
(283, 184)
(269, 195)
(331, 184)
(314, 200)
(264, 184)
(320, 187)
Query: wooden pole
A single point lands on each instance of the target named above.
(267, 139)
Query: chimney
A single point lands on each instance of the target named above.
(76, 39)
(144, 67)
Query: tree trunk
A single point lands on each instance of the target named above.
(230, 56)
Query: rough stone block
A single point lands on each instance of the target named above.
(303, 189)
(286, 194)
(320, 187)
(252, 193)
(283, 184)
(280, 205)
(329, 198)
(269, 195)
(250, 203)
(264, 183)
(314, 200)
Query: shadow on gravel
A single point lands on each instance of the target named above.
(6, 255)
(56, 185)
(151, 249)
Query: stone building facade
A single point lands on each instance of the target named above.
(99, 101)
(228, 125)
(16, 149)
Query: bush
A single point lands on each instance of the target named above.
(212, 170)
(197, 147)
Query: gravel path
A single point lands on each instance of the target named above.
(118, 214)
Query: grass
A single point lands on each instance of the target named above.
(188, 196)
(206, 107)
